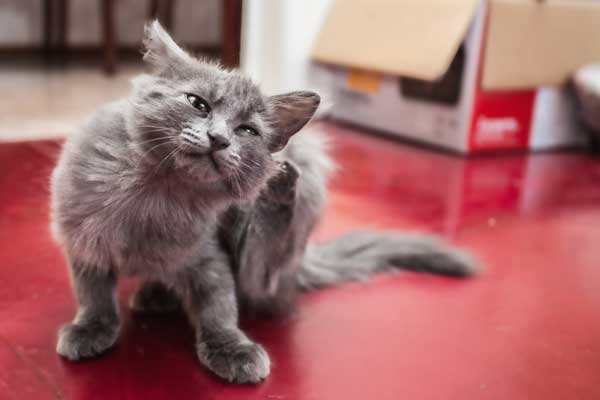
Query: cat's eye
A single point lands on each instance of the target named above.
(199, 103)
(245, 130)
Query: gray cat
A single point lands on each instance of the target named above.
(191, 185)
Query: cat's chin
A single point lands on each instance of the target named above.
(203, 167)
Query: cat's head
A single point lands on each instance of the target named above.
(212, 125)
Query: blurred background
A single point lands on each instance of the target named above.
(467, 76)
(72, 55)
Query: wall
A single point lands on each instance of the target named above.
(277, 36)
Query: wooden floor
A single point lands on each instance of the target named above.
(41, 103)
(528, 328)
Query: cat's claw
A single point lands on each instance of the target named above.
(81, 341)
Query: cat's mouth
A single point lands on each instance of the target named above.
(196, 156)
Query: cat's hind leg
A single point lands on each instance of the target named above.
(154, 298)
(266, 256)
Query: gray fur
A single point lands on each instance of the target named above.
(96, 325)
(358, 255)
(146, 189)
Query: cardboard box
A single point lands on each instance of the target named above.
(466, 75)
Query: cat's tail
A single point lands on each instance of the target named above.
(358, 255)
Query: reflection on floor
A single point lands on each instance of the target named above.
(528, 328)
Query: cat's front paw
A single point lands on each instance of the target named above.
(241, 362)
(77, 341)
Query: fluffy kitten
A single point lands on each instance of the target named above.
(189, 185)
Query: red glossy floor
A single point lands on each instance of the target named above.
(528, 328)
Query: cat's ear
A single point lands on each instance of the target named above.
(289, 113)
(161, 51)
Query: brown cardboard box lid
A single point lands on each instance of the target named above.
(533, 43)
(529, 43)
(416, 38)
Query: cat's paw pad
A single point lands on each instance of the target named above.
(288, 174)
(154, 298)
(80, 341)
(282, 186)
(236, 362)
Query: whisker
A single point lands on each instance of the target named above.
(161, 129)
(156, 146)
(168, 138)
(238, 179)
(172, 153)
(243, 164)
(236, 185)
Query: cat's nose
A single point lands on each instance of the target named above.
(218, 142)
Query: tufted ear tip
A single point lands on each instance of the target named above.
(312, 98)
(311, 95)
(161, 51)
(152, 27)
(290, 112)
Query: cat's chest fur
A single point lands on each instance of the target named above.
(162, 232)
(144, 230)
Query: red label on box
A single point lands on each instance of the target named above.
(501, 120)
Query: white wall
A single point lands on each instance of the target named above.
(277, 37)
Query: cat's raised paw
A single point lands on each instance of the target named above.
(281, 188)
(80, 341)
(236, 362)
